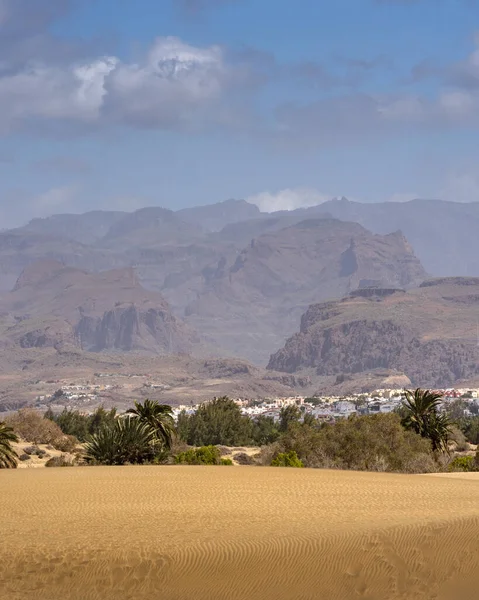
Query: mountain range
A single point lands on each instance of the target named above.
(229, 280)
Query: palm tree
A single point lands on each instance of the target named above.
(439, 431)
(159, 417)
(127, 441)
(422, 416)
(8, 456)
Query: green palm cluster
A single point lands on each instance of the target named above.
(158, 417)
(8, 456)
(143, 435)
(421, 415)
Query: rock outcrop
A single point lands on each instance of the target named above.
(52, 304)
(428, 333)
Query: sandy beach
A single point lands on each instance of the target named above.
(132, 533)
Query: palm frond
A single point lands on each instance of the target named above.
(8, 456)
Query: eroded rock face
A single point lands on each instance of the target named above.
(93, 311)
(128, 328)
(257, 296)
(428, 334)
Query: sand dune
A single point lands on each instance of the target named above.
(131, 533)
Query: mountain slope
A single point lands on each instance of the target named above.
(249, 303)
(149, 227)
(53, 304)
(86, 228)
(19, 249)
(429, 333)
(213, 217)
(443, 234)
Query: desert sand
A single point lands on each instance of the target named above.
(132, 533)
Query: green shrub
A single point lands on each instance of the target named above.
(72, 422)
(265, 430)
(287, 459)
(226, 461)
(217, 422)
(205, 455)
(128, 441)
(288, 416)
(463, 464)
(365, 443)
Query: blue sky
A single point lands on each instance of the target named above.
(118, 104)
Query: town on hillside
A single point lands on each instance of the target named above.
(324, 407)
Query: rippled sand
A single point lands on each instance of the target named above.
(132, 533)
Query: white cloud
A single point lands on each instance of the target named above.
(288, 199)
(175, 81)
(55, 93)
(174, 84)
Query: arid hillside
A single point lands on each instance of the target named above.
(428, 333)
(239, 277)
(52, 304)
(118, 379)
(248, 304)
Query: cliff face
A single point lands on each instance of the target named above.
(427, 333)
(258, 296)
(53, 305)
(128, 328)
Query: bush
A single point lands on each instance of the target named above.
(32, 427)
(226, 461)
(65, 443)
(72, 422)
(470, 427)
(265, 430)
(366, 443)
(287, 459)
(205, 455)
(59, 461)
(244, 459)
(217, 422)
(24, 457)
(463, 464)
(421, 463)
(459, 439)
(288, 416)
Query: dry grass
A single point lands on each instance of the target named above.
(195, 533)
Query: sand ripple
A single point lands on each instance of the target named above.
(131, 533)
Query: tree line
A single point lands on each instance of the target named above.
(417, 438)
